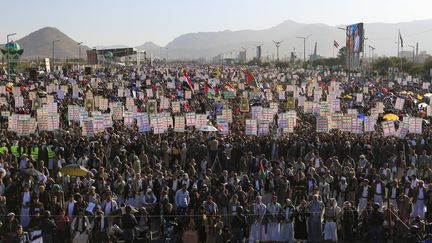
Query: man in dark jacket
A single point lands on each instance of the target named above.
(129, 222)
(375, 221)
(99, 228)
(48, 227)
(239, 225)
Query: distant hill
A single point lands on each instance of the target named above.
(39, 44)
(382, 36)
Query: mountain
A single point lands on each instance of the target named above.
(40, 44)
(382, 36)
(209, 44)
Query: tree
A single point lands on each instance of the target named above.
(342, 56)
(427, 66)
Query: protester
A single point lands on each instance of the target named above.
(125, 153)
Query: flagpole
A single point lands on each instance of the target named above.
(398, 43)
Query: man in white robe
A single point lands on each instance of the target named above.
(257, 231)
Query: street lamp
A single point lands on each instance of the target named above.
(7, 41)
(373, 50)
(304, 45)
(413, 47)
(79, 54)
(53, 44)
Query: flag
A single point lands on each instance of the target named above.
(401, 40)
(249, 77)
(335, 44)
(188, 79)
(186, 107)
(220, 127)
(230, 87)
(261, 173)
(209, 91)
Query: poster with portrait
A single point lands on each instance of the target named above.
(244, 105)
(354, 38)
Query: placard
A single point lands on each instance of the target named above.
(264, 128)
(179, 124)
(190, 119)
(388, 128)
(322, 124)
(143, 122)
(399, 103)
(402, 130)
(369, 123)
(251, 127)
(223, 127)
(175, 106)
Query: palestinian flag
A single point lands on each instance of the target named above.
(252, 81)
(262, 172)
(230, 87)
(209, 91)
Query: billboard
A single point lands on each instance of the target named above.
(354, 38)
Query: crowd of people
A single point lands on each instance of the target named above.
(204, 186)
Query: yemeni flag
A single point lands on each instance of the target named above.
(189, 82)
(262, 172)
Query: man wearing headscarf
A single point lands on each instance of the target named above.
(273, 228)
(316, 212)
(80, 227)
(364, 195)
(419, 195)
(332, 216)
(287, 225)
(257, 231)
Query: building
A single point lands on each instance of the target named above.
(118, 55)
(423, 56)
(242, 57)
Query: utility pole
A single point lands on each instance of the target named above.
(304, 45)
(277, 44)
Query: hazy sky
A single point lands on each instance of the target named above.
(133, 22)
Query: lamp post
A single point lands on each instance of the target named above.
(7, 41)
(372, 55)
(277, 44)
(53, 44)
(304, 45)
(413, 47)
